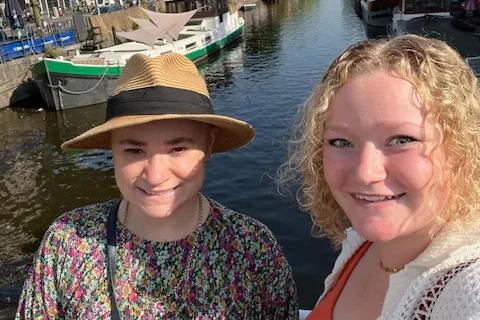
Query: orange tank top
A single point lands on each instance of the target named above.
(324, 309)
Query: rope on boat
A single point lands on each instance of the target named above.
(63, 89)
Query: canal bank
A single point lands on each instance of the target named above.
(16, 86)
(263, 79)
(14, 81)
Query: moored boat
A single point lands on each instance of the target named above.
(436, 20)
(87, 79)
(410, 15)
(377, 13)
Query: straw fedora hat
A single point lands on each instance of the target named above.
(162, 88)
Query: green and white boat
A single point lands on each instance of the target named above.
(88, 79)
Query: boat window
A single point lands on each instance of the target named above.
(378, 5)
(429, 6)
(208, 39)
(194, 22)
(184, 36)
(190, 45)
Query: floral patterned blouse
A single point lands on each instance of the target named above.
(238, 272)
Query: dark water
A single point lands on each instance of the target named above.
(261, 79)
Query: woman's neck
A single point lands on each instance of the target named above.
(175, 226)
(401, 251)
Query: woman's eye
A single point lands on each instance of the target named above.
(133, 150)
(340, 143)
(401, 140)
(179, 149)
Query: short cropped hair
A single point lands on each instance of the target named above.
(442, 81)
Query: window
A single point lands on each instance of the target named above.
(190, 45)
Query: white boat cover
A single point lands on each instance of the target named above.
(175, 21)
(160, 26)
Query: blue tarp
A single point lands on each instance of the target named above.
(19, 48)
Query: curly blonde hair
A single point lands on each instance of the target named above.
(442, 80)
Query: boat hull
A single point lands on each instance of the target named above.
(377, 18)
(64, 85)
(212, 48)
(59, 99)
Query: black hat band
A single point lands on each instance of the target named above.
(157, 100)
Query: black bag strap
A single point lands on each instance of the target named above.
(111, 256)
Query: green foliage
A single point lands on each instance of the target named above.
(52, 52)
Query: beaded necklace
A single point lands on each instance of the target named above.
(186, 271)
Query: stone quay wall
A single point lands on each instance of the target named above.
(14, 80)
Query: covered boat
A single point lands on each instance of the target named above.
(88, 79)
(411, 15)
(442, 20)
(378, 13)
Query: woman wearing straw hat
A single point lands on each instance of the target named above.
(165, 251)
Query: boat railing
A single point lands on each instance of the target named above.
(432, 6)
(29, 40)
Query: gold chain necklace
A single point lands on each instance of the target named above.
(390, 270)
(193, 249)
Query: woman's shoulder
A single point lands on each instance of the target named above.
(85, 221)
(350, 245)
(74, 236)
(244, 236)
(460, 298)
(233, 224)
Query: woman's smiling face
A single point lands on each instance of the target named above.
(378, 160)
(160, 165)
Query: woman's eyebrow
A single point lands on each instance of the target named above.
(336, 127)
(384, 124)
(130, 141)
(179, 140)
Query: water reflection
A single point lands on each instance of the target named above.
(40, 182)
(220, 73)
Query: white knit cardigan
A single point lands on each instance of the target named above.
(460, 299)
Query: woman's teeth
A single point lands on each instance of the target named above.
(375, 198)
(159, 193)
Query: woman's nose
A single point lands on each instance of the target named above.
(370, 166)
(156, 170)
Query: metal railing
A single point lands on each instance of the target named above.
(30, 40)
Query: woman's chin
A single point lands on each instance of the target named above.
(158, 212)
(376, 233)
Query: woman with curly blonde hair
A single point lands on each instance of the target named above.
(387, 153)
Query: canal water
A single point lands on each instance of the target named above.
(262, 79)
